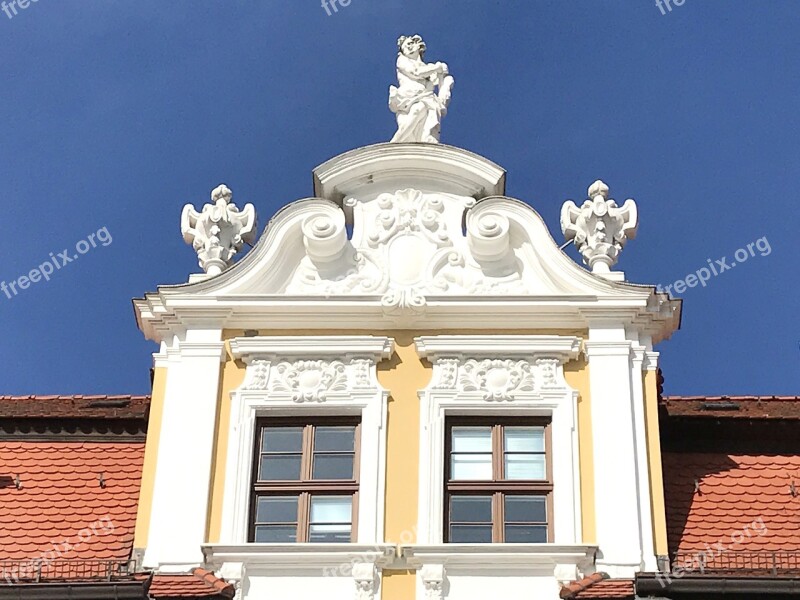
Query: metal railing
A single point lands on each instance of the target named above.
(43, 570)
(715, 562)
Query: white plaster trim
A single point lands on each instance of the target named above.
(488, 557)
(279, 556)
(541, 391)
(353, 391)
(378, 347)
(650, 361)
(457, 170)
(563, 347)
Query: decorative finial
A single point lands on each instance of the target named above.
(599, 228)
(418, 108)
(218, 232)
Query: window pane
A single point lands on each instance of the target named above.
(471, 509)
(526, 509)
(331, 509)
(282, 439)
(524, 439)
(330, 519)
(531, 534)
(333, 466)
(525, 466)
(341, 439)
(333, 534)
(275, 533)
(280, 467)
(276, 509)
(474, 534)
(471, 466)
(472, 439)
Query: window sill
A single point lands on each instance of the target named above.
(298, 555)
(508, 556)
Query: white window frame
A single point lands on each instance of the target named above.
(308, 377)
(456, 390)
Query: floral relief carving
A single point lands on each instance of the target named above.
(448, 369)
(548, 369)
(257, 375)
(309, 380)
(409, 211)
(499, 380)
(362, 369)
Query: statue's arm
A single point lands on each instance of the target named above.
(415, 70)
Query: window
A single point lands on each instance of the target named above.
(305, 480)
(498, 483)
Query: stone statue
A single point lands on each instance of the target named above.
(218, 232)
(419, 110)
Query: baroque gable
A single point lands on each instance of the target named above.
(406, 235)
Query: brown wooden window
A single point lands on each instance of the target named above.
(498, 482)
(305, 480)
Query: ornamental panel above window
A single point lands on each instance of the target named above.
(305, 481)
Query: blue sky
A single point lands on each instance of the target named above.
(115, 114)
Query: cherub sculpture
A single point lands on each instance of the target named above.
(418, 108)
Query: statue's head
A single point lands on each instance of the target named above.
(411, 46)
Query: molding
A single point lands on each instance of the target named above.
(290, 376)
(650, 362)
(455, 169)
(488, 557)
(279, 556)
(249, 348)
(563, 347)
(501, 376)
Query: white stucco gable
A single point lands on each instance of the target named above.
(406, 236)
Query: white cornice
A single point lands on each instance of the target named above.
(335, 345)
(451, 169)
(562, 347)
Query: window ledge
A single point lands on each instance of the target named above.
(492, 556)
(299, 555)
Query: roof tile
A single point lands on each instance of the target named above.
(743, 502)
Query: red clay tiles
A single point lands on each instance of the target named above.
(599, 587)
(61, 510)
(744, 502)
(76, 407)
(200, 584)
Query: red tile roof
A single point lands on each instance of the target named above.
(200, 584)
(733, 407)
(742, 501)
(61, 507)
(74, 407)
(599, 587)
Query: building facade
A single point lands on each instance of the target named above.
(405, 389)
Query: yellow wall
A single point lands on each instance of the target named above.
(654, 457)
(231, 378)
(404, 374)
(577, 375)
(150, 454)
